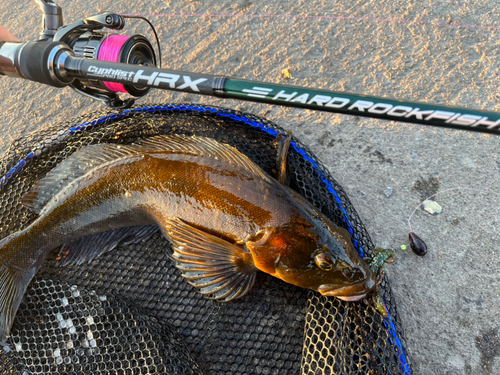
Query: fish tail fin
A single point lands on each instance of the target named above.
(17, 268)
(13, 285)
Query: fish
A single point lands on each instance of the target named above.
(225, 218)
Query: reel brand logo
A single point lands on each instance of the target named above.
(366, 106)
(110, 73)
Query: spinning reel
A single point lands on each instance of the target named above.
(88, 40)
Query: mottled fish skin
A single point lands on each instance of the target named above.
(226, 219)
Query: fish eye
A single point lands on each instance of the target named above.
(324, 261)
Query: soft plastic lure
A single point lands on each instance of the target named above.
(379, 258)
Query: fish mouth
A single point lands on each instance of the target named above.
(354, 292)
(352, 298)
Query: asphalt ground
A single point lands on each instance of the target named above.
(448, 54)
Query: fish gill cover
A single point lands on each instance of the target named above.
(130, 310)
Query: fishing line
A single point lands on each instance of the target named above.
(443, 191)
(347, 18)
(152, 28)
(111, 51)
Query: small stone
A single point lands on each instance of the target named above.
(388, 192)
(467, 162)
(432, 207)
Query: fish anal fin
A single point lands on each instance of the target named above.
(13, 286)
(221, 270)
(85, 249)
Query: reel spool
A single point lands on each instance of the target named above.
(134, 49)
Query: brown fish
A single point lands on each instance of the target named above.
(225, 217)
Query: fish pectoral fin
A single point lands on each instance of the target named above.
(220, 270)
(85, 249)
(13, 284)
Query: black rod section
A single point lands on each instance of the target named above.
(146, 76)
(270, 93)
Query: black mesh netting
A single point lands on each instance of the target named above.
(131, 312)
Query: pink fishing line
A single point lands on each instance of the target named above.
(110, 51)
(393, 20)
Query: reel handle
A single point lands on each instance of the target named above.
(52, 18)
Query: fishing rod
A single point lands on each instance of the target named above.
(101, 65)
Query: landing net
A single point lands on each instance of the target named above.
(131, 312)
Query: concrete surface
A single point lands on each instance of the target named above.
(449, 300)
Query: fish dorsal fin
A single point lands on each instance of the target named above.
(90, 157)
(220, 270)
(75, 166)
(201, 146)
